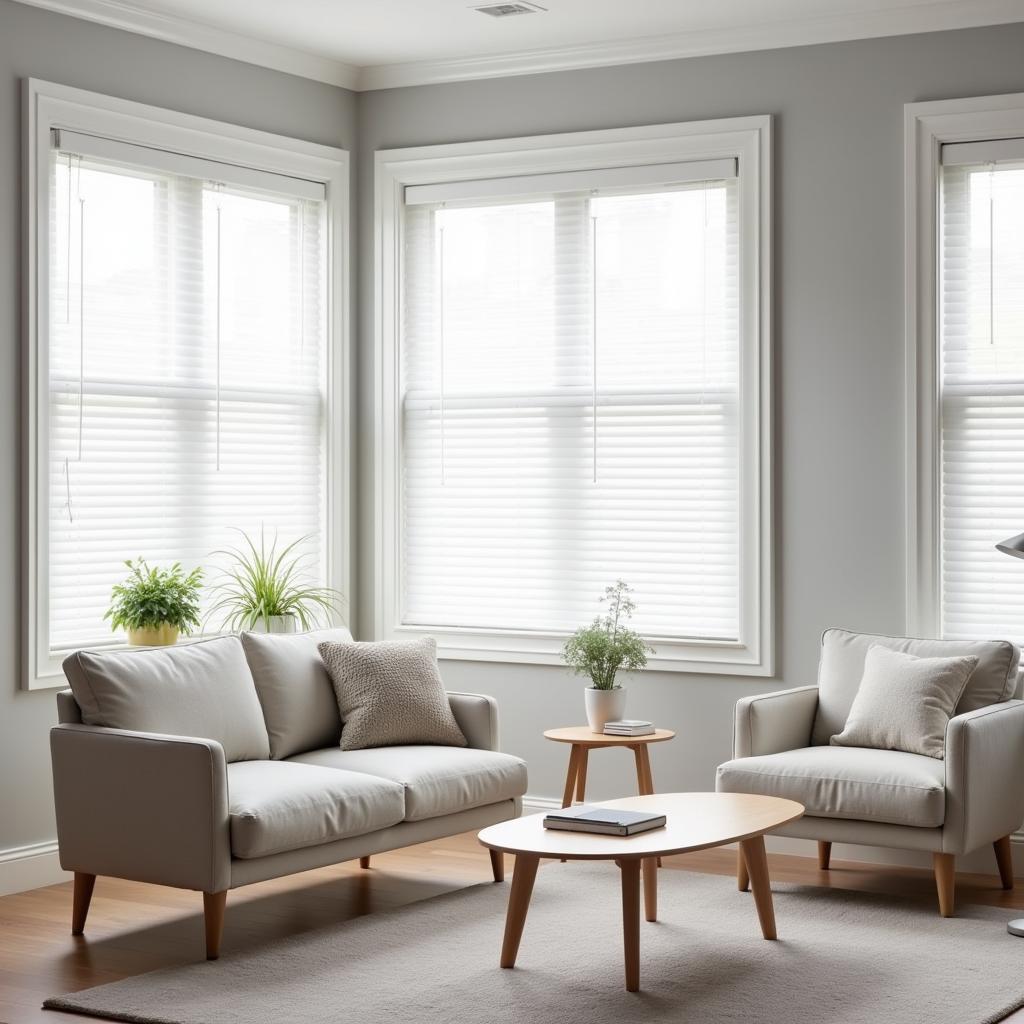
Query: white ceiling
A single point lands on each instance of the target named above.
(372, 43)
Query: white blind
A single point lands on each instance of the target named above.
(982, 398)
(185, 377)
(570, 389)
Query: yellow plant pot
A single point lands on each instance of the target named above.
(163, 635)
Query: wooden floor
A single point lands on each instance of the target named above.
(134, 928)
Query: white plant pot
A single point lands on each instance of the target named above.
(604, 706)
(277, 624)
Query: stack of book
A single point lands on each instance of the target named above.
(628, 727)
(603, 821)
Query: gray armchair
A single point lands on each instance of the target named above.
(890, 798)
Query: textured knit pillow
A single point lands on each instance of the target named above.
(390, 693)
(905, 702)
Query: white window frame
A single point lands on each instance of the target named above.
(927, 127)
(746, 139)
(49, 106)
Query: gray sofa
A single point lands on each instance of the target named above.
(215, 764)
(946, 806)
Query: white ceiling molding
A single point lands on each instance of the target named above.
(926, 17)
(185, 32)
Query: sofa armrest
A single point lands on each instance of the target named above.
(984, 769)
(143, 806)
(769, 723)
(477, 715)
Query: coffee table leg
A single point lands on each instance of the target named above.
(757, 866)
(742, 877)
(581, 775)
(570, 777)
(631, 921)
(518, 903)
(650, 871)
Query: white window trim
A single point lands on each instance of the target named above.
(927, 127)
(47, 106)
(747, 139)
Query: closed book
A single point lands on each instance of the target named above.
(603, 821)
(649, 731)
(628, 727)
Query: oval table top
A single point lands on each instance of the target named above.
(696, 821)
(584, 736)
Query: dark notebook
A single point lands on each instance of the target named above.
(603, 821)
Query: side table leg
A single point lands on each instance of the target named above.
(644, 778)
(523, 876)
(631, 921)
(581, 774)
(570, 776)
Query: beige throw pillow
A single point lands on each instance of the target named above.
(905, 702)
(390, 693)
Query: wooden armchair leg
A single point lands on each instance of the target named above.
(742, 875)
(364, 862)
(824, 855)
(497, 865)
(213, 912)
(1004, 858)
(83, 897)
(945, 882)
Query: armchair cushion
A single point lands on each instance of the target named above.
(436, 780)
(846, 782)
(294, 689)
(275, 806)
(842, 665)
(193, 689)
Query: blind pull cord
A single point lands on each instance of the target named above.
(67, 265)
(593, 337)
(302, 278)
(991, 255)
(218, 315)
(81, 325)
(441, 327)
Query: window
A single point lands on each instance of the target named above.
(577, 400)
(183, 378)
(970, 418)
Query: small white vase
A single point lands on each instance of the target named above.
(276, 624)
(603, 706)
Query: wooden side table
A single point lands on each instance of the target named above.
(583, 740)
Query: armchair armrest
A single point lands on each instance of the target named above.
(477, 715)
(984, 773)
(143, 806)
(769, 723)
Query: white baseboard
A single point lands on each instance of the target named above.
(30, 867)
(977, 862)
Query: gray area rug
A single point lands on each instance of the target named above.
(844, 957)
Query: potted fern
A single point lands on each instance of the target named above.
(601, 649)
(264, 590)
(154, 605)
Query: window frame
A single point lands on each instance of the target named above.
(746, 139)
(927, 127)
(48, 106)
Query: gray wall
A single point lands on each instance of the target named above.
(38, 44)
(838, 339)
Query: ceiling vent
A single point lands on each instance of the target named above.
(508, 10)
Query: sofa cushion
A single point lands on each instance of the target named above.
(437, 780)
(846, 782)
(842, 665)
(191, 689)
(274, 806)
(294, 688)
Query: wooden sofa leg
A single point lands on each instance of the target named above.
(945, 882)
(742, 875)
(213, 912)
(497, 865)
(83, 897)
(364, 862)
(1004, 858)
(824, 855)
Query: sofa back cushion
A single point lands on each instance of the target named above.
(842, 666)
(295, 690)
(192, 689)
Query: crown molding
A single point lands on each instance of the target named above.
(930, 17)
(185, 32)
(926, 17)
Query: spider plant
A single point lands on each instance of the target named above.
(262, 583)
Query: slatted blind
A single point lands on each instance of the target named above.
(185, 377)
(982, 397)
(570, 396)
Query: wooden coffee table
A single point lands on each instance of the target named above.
(696, 821)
